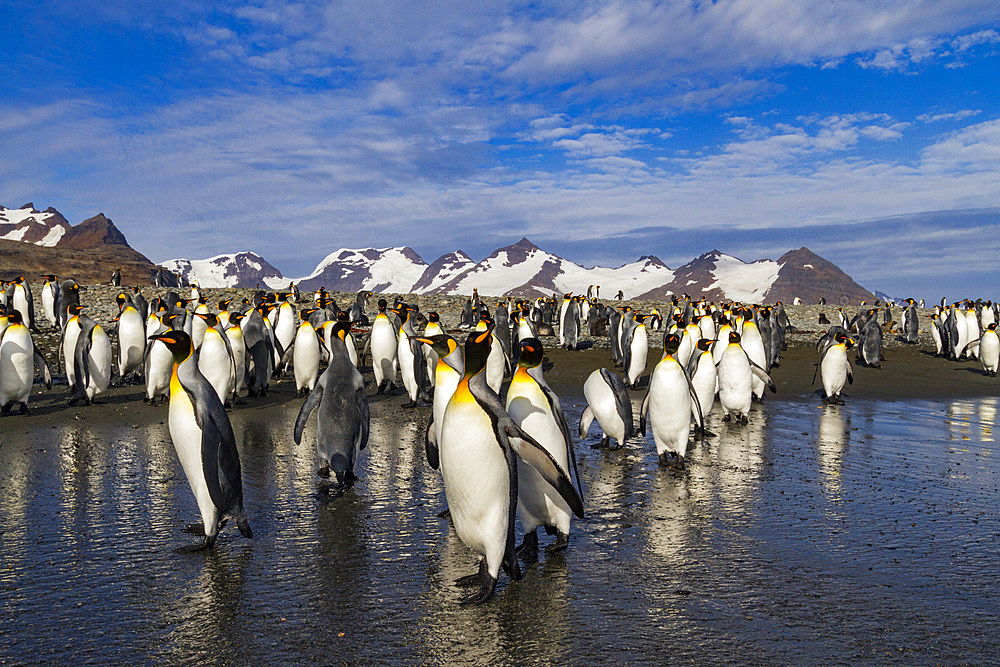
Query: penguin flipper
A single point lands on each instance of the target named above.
(762, 375)
(362, 399)
(643, 411)
(431, 446)
(556, 408)
(43, 368)
(81, 367)
(311, 402)
(850, 372)
(622, 402)
(220, 459)
(539, 458)
(586, 419)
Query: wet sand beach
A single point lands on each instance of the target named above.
(862, 533)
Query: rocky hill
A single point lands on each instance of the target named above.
(44, 243)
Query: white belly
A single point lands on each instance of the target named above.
(186, 437)
(735, 382)
(669, 408)
(214, 364)
(705, 383)
(305, 358)
(131, 341)
(476, 481)
(235, 335)
(538, 503)
(601, 400)
(989, 351)
(69, 348)
(16, 365)
(158, 368)
(383, 347)
(638, 350)
(834, 370)
(99, 363)
(495, 366)
(446, 380)
(49, 305)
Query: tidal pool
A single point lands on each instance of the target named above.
(855, 534)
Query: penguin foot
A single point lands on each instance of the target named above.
(324, 472)
(605, 441)
(744, 419)
(474, 579)
(727, 417)
(446, 514)
(486, 589)
(195, 548)
(562, 541)
(528, 549)
(194, 529)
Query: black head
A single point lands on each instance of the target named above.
(477, 350)
(178, 342)
(439, 343)
(734, 338)
(236, 318)
(340, 329)
(433, 317)
(14, 317)
(704, 344)
(382, 305)
(531, 352)
(671, 343)
(211, 319)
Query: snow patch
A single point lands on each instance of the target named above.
(744, 282)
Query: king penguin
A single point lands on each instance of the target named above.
(204, 441)
(305, 355)
(91, 361)
(478, 444)
(18, 359)
(736, 373)
(534, 407)
(383, 344)
(343, 423)
(131, 334)
(668, 406)
(608, 402)
(215, 358)
(50, 292)
(835, 368)
(705, 380)
(989, 350)
(447, 374)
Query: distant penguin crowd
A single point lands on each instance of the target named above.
(496, 432)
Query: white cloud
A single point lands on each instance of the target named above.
(952, 116)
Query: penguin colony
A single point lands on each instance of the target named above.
(502, 451)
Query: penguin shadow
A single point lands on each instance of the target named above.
(972, 369)
(331, 492)
(584, 345)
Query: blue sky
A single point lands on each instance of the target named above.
(867, 131)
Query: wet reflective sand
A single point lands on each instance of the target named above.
(864, 533)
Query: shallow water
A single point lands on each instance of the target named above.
(864, 533)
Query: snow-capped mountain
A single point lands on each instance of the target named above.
(242, 269)
(26, 224)
(393, 270)
(524, 269)
(444, 269)
(798, 273)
